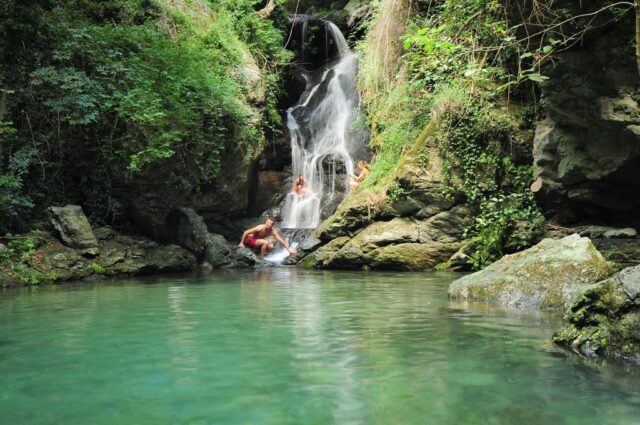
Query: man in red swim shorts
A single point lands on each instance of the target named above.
(255, 238)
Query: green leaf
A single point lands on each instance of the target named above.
(537, 78)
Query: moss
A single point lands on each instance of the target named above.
(603, 321)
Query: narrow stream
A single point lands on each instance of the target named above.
(289, 346)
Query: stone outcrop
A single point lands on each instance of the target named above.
(187, 229)
(605, 319)
(546, 276)
(120, 255)
(417, 230)
(587, 149)
(74, 229)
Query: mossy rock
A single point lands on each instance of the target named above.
(324, 255)
(547, 276)
(605, 319)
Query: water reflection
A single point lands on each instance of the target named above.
(290, 346)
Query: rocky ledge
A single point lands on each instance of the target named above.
(48, 260)
(605, 319)
(75, 251)
(417, 230)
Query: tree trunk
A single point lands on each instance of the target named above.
(638, 35)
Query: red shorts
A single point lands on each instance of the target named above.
(250, 241)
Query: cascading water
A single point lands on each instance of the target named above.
(323, 137)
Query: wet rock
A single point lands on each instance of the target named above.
(461, 260)
(546, 276)
(120, 255)
(104, 233)
(74, 229)
(167, 259)
(605, 319)
(324, 255)
(247, 257)
(309, 244)
(354, 213)
(268, 192)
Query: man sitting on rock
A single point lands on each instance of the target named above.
(256, 238)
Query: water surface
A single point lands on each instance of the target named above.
(288, 346)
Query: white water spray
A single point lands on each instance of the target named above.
(323, 139)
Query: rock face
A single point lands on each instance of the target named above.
(74, 229)
(415, 231)
(546, 276)
(605, 319)
(587, 149)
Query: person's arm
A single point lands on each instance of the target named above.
(364, 173)
(247, 233)
(282, 242)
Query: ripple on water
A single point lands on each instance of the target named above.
(286, 346)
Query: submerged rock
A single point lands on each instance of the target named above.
(605, 319)
(546, 276)
(74, 229)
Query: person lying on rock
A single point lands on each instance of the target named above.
(256, 238)
(363, 166)
(300, 185)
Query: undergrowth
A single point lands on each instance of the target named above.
(98, 91)
(447, 93)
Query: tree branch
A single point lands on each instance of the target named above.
(266, 11)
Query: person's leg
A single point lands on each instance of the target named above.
(262, 245)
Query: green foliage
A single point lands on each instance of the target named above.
(445, 97)
(97, 88)
(470, 145)
(97, 268)
(395, 192)
(20, 248)
(16, 258)
(28, 275)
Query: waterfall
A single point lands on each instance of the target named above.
(324, 137)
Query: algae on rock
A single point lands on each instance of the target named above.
(546, 276)
(605, 319)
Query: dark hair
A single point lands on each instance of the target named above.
(270, 218)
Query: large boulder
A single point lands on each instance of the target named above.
(587, 149)
(402, 243)
(74, 229)
(546, 276)
(187, 229)
(605, 319)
